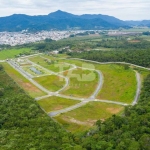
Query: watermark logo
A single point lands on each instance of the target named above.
(83, 73)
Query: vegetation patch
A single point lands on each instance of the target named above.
(51, 82)
(51, 63)
(12, 53)
(81, 82)
(56, 103)
(88, 115)
(23, 125)
(119, 83)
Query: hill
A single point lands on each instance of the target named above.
(139, 23)
(59, 20)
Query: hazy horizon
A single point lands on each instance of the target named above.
(126, 10)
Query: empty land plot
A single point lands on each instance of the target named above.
(11, 53)
(56, 103)
(87, 115)
(29, 88)
(82, 83)
(119, 84)
(35, 70)
(51, 82)
(52, 65)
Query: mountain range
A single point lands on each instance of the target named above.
(60, 20)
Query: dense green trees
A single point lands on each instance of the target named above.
(24, 126)
(138, 57)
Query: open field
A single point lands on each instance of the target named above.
(11, 53)
(29, 88)
(85, 116)
(51, 82)
(50, 63)
(82, 83)
(119, 83)
(56, 103)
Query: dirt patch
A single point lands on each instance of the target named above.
(113, 110)
(29, 86)
(58, 108)
(73, 120)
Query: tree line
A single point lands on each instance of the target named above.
(138, 57)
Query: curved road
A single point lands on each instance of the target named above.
(138, 78)
(110, 63)
(83, 101)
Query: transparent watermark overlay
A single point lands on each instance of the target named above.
(71, 73)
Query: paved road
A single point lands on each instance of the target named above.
(27, 76)
(54, 113)
(111, 63)
(2, 61)
(138, 78)
(100, 84)
(57, 74)
(84, 100)
(111, 102)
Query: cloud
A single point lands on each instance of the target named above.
(126, 10)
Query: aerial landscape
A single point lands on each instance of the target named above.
(75, 78)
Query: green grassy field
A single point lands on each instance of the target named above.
(11, 53)
(119, 83)
(50, 63)
(51, 82)
(56, 103)
(86, 116)
(82, 83)
(25, 84)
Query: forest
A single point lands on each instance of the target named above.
(24, 125)
(138, 57)
(90, 43)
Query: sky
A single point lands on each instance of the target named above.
(122, 9)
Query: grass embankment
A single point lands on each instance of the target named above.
(82, 83)
(11, 53)
(50, 63)
(29, 88)
(56, 103)
(51, 82)
(84, 117)
(119, 82)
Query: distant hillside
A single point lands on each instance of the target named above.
(139, 23)
(59, 20)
